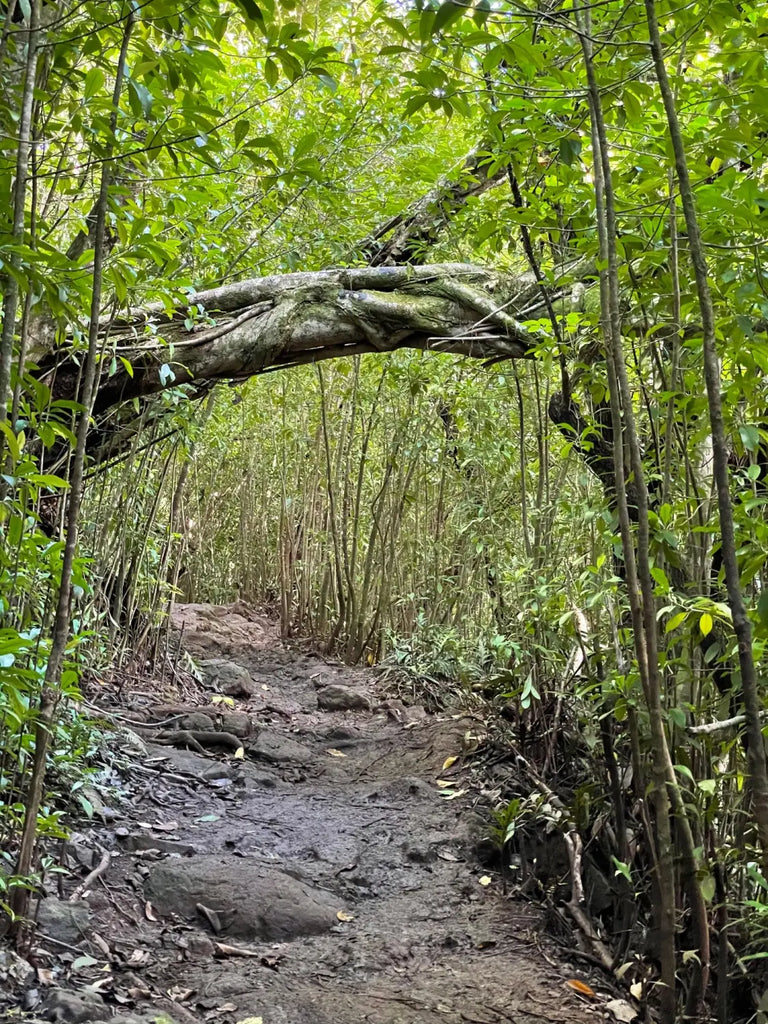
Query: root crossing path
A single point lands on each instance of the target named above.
(314, 874)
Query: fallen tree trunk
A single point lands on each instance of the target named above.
(243, 329)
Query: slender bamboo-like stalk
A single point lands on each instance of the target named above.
(23, 152)
(19, 895)
(758, 770)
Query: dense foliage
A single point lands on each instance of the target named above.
(553, 532)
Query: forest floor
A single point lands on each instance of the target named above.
(319, 869)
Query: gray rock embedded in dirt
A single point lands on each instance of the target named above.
(64, 922)
(131, 1018)
(218, 672)
(341, 698)
(83, 1007)
(15, 971)
(219, 771)
(180, 760)
(251, 901)
(134, 843)
(272, 746)
(131, 742)
(196, 721)
(238, 723)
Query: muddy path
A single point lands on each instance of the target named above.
(318, 875)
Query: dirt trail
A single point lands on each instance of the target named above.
(320, 879)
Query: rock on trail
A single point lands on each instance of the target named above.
(321, 877)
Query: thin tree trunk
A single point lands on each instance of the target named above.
(19, 895)
(23, 151)
(741, 624)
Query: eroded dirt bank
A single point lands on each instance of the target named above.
(318, 876)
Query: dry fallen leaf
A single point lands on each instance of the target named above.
(101, 943)
(448, 762)
(636, 990)
(442, 783)
(621, 1010)
(149, 912)
(179, 994)
(251, 1020)
(224, 949)
(344, 915)
(485, 880)
(446, 855)
(239, 753)
(581, 987)
(336, 753)
(451, 794)
(81, 962)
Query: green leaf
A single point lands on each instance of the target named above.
(140, 97)
(242, 128)
(750, 437)
(707, 885)
(570, 149)
(705, 624)
(271, 73)
(94, 82)
(675, 621)
(447, 14)
(677, 716)
(685, 770)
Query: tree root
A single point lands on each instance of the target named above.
(198, 741)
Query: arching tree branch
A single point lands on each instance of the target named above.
(253, 326)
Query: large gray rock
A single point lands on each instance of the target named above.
(249, 900)
(82, 1007)
(237, 722)
(341, 698)
(64, 922)
(218, 673)
(278, 749)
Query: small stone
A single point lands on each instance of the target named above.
(74, 1007)
(218, 771)
(197, 721)
(140, 843)
(418, 853)
(342, 732)
(245, 688)
(198, 945)
(218, 673)
(131, 742)
(278, 749)
(341, 698)
(133, 1018)
(64, 922)
(238, 723)
(15, 970)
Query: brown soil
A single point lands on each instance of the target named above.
(322, 878)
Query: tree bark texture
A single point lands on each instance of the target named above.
(250, 327)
